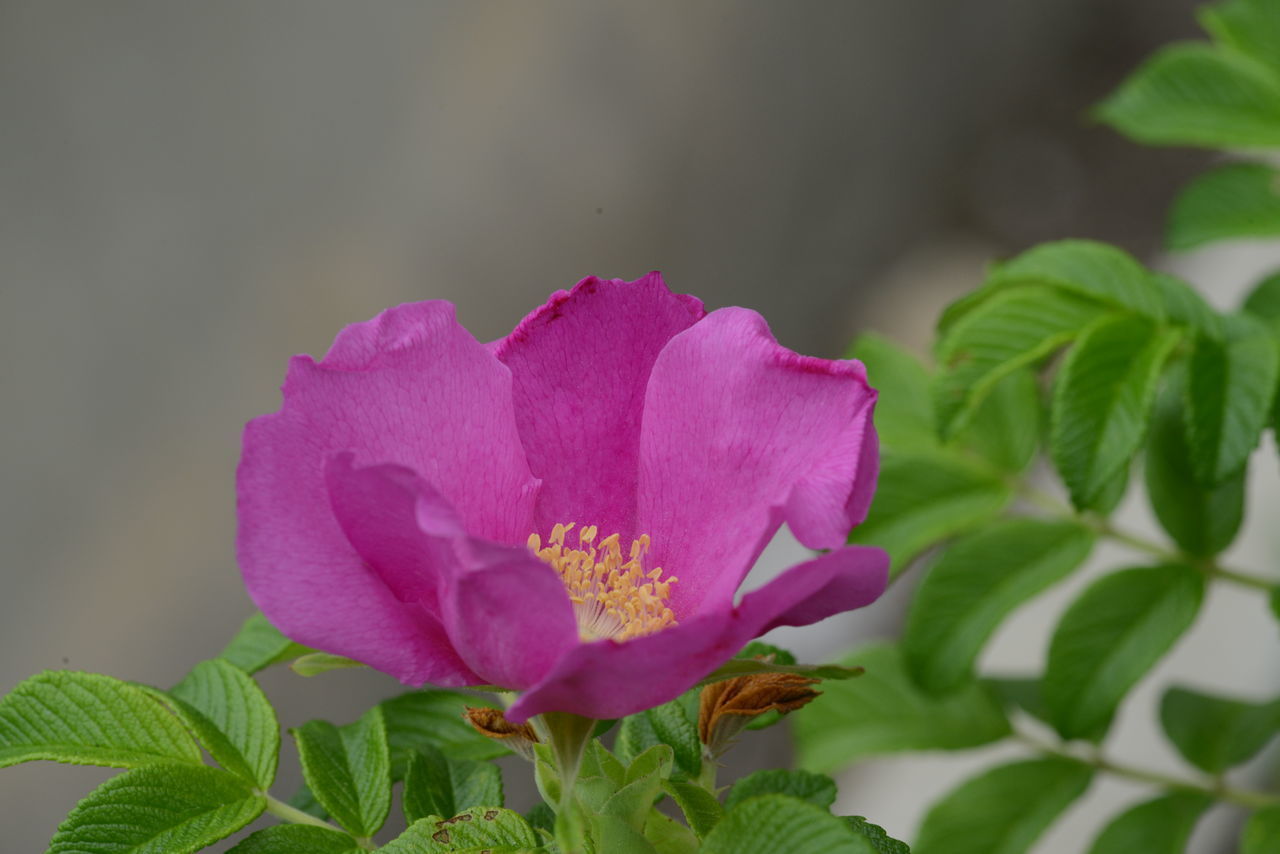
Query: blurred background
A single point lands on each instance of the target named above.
(190, 193)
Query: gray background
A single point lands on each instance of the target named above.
(190, 193)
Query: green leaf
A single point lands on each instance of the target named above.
(1202, 520)
(1087, 268)
(975, 584)
(1251, 27)
(1020, 693)
(1230, 387)
(434, 717)
(883, 712)
(635, 736)
(922, 499)
(1014, 328)
(1004, 810)
(159, 809)
(1233, 201)
(349, 770)
(297, 839)
(1262, 832)
(1102, 401)
(881, 842)
(498, 831)
(1161, 826)
(904, 408)
(817, 789)
(89, 719)
(1216, 733)
(232, 718)
(1193, 94)
(1111, 635)
(1184, 306)
(670, 836)
(617, 836)
(778, 824)
(767, 651)
(672, 726)
(437, 785)
(1264, 300)
(1005, 429)
(701, 809)
(259, 645)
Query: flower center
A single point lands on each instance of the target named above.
(612, 597)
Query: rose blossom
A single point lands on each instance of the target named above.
(566, 512)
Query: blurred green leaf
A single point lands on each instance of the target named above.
(259, 645)
(1251, 27)
(1112, 634)
(1004, 810)
(884, 712)
(904, 410)
(975, 584)
(1262, 832)
(1217, 733)
(1195, 94)
(1160, 826)
(922, 499)
(1184, 306)
(1102, 401)
(1234, 201)
(1005, 429)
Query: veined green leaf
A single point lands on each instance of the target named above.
(1102, 401)
(1004, 810)
(778, 824)
(883, 712)
(817, 789)
(1184, 306)
(1096, 271)
(259, 645)
(349, 770)
(498, 831)
(315, 663)
(701, 809)
(1161, 826)
(1110, 636)
(904, 409)
(673, 727)
(1217, 733)
(1202, 520)
(438, 785)
(1231, 202)
(232, 718)
(1230, 388)
(1262, 832)
(1005, 428)
(297, 839)
(881, 842)
(1015, 328)
(975, 584)
(434, 717)
(89, 719)
(922, 499)
(160, 809)
(1194, 94)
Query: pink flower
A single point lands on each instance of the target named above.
(408, 505)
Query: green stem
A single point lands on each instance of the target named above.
(293, 815)
(1243, 797)
(1104, 528)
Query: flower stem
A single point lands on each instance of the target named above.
(1219, 791)
(293, 815)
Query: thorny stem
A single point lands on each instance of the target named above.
(1243, 797)
(293, 815)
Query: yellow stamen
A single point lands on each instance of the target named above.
(612, 598)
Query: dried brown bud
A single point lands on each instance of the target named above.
(493, 723)
(725, 707)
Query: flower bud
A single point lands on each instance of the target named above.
(726, 707)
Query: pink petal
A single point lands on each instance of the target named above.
(739, 435)
(580, 364)
(607, 679)
(505, 611)
(408, 387)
